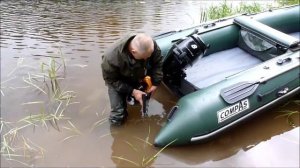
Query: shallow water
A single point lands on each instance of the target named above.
(32, 32)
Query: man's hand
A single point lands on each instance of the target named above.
(137, 94)
(152, 89)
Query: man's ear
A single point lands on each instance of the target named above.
(133, 51)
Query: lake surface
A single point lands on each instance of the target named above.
(68, 38)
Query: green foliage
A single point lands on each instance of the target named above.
(216, 12)
(146, 160)
(14, 146)
(288, 114)
(226, 9)
(288, 2)
(249, 8)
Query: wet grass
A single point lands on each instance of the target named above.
(14, 146)
(58, 99)
(145, 159)
(11, 77)
(72, 128)
(288, 113)
(101, 121)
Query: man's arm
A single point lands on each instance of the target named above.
(156, 71)
(111, 75)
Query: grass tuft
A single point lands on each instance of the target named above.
(226, 9)
(13, 144)
(145, 160)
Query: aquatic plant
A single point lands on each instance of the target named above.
(220, 11)
(58, 99)
(145, 160)
(14, 146)
(10, 77)
(226, 9)
(289, 113)
(288, 2)
(101, 121)
(73, 129)
(249, 8)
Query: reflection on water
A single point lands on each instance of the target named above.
(33, 32)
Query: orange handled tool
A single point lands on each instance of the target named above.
(147, 81)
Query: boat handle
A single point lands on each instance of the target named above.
(279, 91)
(284, 61)
(209, 25)
(283, 91)
(171, 113)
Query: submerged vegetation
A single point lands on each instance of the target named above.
(14, 145)
(289, 114)
(145, 160)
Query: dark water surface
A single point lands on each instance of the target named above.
(75, 34)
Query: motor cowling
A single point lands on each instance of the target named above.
(182, 53)
(188, 50)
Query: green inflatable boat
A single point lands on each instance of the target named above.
(228, 70)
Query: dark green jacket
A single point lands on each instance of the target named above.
(121, 71)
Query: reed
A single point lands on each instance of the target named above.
(14, 146)
(145, 160)
(288, 114)
(100, 121)
(3, 82)
(75, 131)
(43, 117)
(51, 71)
(226, 9)
(249, 8)
(220, 11)
(288, 2)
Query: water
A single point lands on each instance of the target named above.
(33, 32)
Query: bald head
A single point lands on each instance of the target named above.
(141, 46)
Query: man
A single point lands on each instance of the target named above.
(124, 65)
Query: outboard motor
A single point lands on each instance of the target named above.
(182, 53)
(188, 50)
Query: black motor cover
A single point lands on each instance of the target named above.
(182, 53)
(188, 50)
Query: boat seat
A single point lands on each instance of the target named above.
(217, 66)
(230, 62)
(273, 36)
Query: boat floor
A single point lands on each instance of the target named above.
(216, 67)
